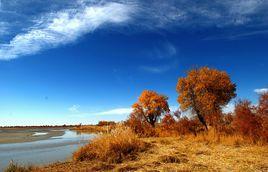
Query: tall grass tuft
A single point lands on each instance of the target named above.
(115, 147)
(14, 167)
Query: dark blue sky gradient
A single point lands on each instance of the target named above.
(107, 69)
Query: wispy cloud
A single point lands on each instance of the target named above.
(64, 27)
(116, 111)
(261, 90)
(74, 109)
(165, 53)
(162, 50)
(3, 28)
(53, 26)
(158, 68)
(217, 13)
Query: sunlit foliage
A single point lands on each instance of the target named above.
(205, 91)
(151, 106)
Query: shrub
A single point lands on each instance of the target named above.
(120, 144)
(213, 136)
(106, 123)
(263, 113)
(225, 126)
(168, 122)
(246, 122)
(140, 126)
(13, 167)
(188, 126)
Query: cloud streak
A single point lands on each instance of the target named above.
(261, 90)
(64, 27)
(117, 111)
(166, 54)
(54, 26)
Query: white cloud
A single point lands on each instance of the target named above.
(74, 109)
(55, 28)
(64, 27)
(117, 111)
(261, 90)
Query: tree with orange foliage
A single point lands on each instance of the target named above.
(205, 91)
(151, 106)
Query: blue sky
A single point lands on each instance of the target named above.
(86, 60)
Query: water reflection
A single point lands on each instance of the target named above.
(44, 151)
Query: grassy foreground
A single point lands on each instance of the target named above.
(173, 154)
(123, 151)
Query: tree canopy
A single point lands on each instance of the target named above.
(151, 106)
(205, 91)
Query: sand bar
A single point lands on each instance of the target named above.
(19, 135)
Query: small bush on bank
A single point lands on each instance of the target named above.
(106, 123)
(14, 167)
(115, 147)
(140, 126)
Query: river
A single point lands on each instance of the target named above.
(43, 152)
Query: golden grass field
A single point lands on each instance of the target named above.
(166, 154)
(121, 150)
(173, 154)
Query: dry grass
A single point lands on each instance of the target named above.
(121, 150)
(213, 137)
(175, 154)
(115, 147)
(93, 129)
(13, 167)
(171, 154)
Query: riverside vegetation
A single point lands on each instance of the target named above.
(155, 139)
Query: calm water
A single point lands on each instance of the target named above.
(43, 151)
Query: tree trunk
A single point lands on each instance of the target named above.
(202, 120)
(152, 124)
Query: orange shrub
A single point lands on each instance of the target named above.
(140, 126)
(115, 147)
(188, 126)
(105, 123)
(168, 122)
(225, 126)
(263, 113)
(183, 126)
(246, 122)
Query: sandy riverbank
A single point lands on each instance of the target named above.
(19, 135)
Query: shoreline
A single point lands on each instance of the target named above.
(21, 135)
(176, 153)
